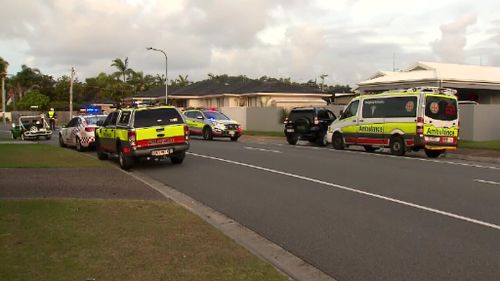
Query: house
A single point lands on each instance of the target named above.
(472, 82)
(227, 91)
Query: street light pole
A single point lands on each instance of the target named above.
(71, 93)
(166, 70)
(3, 98)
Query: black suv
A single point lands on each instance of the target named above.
(308, 123)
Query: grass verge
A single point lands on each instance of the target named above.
(490, 145)
(264, 133)
(117, 240)
(43, 156)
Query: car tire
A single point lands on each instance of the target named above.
(322, 139)
(234, 138)
(338, 141)
(397, 146)
(78, 144)
(431, 153)
(207, 133)
(126, 162)
(101, 155)
(369, 148)
(292, 139)
(61, 141)
(178, 159)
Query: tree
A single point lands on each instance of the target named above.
(123, 69)
(34, 98)
(3, 67)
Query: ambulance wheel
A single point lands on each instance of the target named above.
(61, 142)
(292, 139)
(369, 148)
(338, 141)
(101, 155)
(78, 144)
(433, 153)
(397, 146)
(178, 159)
(207, 134)
(234, 138)
(126, 162)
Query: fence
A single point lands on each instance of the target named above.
(479, 122)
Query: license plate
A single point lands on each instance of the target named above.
(231, 133)
(161, 152)
(289, 130)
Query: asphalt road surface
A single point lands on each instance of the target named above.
(353, 215)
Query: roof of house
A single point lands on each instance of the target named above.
(433, 71)
(232, 85)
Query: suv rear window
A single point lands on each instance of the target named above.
(157, 117)
(440, 108)
(301, 114)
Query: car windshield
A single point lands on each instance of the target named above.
(92, 120)
(215, 115)
(441, 108)
(157, 117)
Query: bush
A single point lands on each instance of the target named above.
(34, 98)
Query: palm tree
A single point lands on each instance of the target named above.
(123, 69)
(183, 81)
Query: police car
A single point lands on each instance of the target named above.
(211, 123)
(80, 131)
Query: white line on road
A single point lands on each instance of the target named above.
(393, 156)
(262, 149)
(397, 201)
(488, 182)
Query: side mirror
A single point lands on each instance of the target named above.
(200, 117)
(99, 123)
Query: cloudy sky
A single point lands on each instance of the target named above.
(347, 40)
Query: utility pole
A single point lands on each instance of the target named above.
(71, 93)
(3, 98)
(323, 76)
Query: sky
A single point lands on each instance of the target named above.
(347, 40)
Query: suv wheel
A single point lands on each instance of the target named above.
(101, 155)
(234, 138)
(207, 134)
(397, 146)
(322, 139)
(178, 159)
(338, 141)
(292, 139)
(126, 162)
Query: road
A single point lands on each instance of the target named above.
(353, 215)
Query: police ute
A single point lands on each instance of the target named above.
(403, 120)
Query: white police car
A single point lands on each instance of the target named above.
(80, 131)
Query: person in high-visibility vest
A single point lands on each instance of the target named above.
(52, 118)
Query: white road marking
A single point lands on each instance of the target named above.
(397, 201)
(261, 149)
(393, 156)
(488, 182)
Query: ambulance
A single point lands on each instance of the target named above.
(402, 120)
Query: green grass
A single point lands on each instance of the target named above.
(490, 145)
(43, 156)
(264, 134)
(117, 240)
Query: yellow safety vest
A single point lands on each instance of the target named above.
(51, 114)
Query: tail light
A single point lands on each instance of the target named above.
(131, 138)
(89, 129)
(316, 121)
(286, 120)
(420, 126)
(186, 132)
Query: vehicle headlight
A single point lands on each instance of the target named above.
(218, 125)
